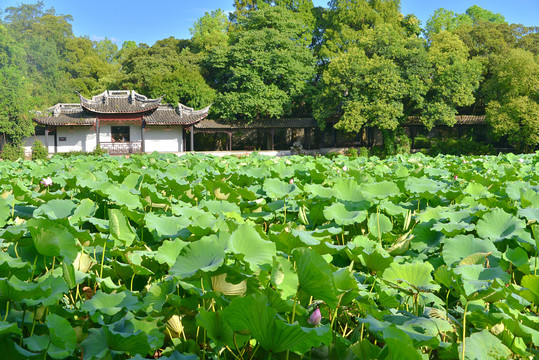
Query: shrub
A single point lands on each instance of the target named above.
(39, 151)
(461, 147)
(12, 152)
(363, 152)
(421, 142)
(351, 152)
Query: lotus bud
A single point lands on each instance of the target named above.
(456, 177)
(291, 181)
(344, 168)
(521, 160)
(46, 181)
(315, 318)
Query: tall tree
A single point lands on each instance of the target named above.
(265, 69)
(455, 78)
(210, 31)
(514, 112)
(15, 103)
(377, 83)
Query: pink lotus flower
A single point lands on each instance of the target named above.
(521, 160)
(46, 181)
(291, 181)
(456, 177)
(315, 318)
(344, 168)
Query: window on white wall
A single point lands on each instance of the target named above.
(120, 133)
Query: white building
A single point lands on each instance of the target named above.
(122, 122)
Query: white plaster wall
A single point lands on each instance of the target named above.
(162, 139)
(75, 138)
(30, 142)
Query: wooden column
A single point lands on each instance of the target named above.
(97, 133)
(142, 138)
(47, 138)
(334, 135)
(273, 139)
(230, 141)
(192, 129)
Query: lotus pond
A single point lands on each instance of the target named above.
(252, 257)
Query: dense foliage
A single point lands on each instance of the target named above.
(253, 257)
(360, 63)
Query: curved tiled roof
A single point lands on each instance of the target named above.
(170, 115)
(67, 114)
(119, 101)
(258, 124)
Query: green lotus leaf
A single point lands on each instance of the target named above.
(477, 190)
(218, 329)
(451, 228)
(365, 350)
(484, 345)
(476, 280)
(111, 304)
(219, 206)
(400, 345)
(530, 214)
(85, 210)
(342, 216)
(119, 227)
(63, 340)
(169, 251)
(531, 285)
(348, 190)
(461, 246)
(256, 251)
(379, 224)
(315, 276)
(369, 253)
(319, 190)
(55, 209)
(252, 313)
(277, 189)
(411, 277)
(53, 239)
(284, 277)
(7, 328)
(498, 225)
(157, 295)
(205, 255)
(122, 197)
(530, 198)
(5, 212)
(427, 188)
(13, 266)
(167, 227)
(379, 190)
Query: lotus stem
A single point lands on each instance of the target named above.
(464, 330)
(7, 310)
(103, 259)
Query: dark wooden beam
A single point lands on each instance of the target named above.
(192, 138)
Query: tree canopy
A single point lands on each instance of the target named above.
(357, 63)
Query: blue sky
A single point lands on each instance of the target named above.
(149, 21)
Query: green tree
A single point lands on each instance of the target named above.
(443, 19)
(346, 20)
(167, 68)
(210, 31)
(514, 112)
(15, 103)
(266, 67)
(455, 78)
(43, 35)
(377, 84)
